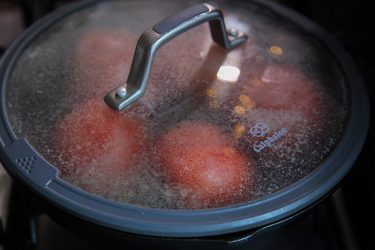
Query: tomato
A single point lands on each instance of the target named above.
(102, 60)
(95, 136)
(198, 158)
(284, 88)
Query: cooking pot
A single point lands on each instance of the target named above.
(205, 136)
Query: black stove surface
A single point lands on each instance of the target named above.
(340, 222)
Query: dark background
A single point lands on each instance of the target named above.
(351, 22)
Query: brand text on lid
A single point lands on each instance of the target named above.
(270, 140)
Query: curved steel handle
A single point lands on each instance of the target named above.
(152, 39)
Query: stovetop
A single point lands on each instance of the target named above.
(340, 222)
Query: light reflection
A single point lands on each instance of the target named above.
(211, 92)
(247, 102)
(240, 110)
(276, 50)
(228, 73)
(239, 130)
(244, 98)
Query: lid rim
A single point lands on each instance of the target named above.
(221, 220)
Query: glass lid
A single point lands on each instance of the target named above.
(215, 127)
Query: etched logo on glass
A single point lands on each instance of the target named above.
(259, 130)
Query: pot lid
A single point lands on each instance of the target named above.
(211, 124)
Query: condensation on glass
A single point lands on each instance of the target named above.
(214, 128)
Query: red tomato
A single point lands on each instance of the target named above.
(95, 136)
(199, 158)
(287, 89)
(103, 59)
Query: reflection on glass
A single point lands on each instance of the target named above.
(239, 130)
(211, 92)
(228, 73)
(247, 102)
(276, 50)
(240, 110)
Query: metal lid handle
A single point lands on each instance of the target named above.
(152, 39)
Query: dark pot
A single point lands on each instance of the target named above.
(37, 93)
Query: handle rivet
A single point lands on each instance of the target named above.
(121, 92)
(233, 32)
